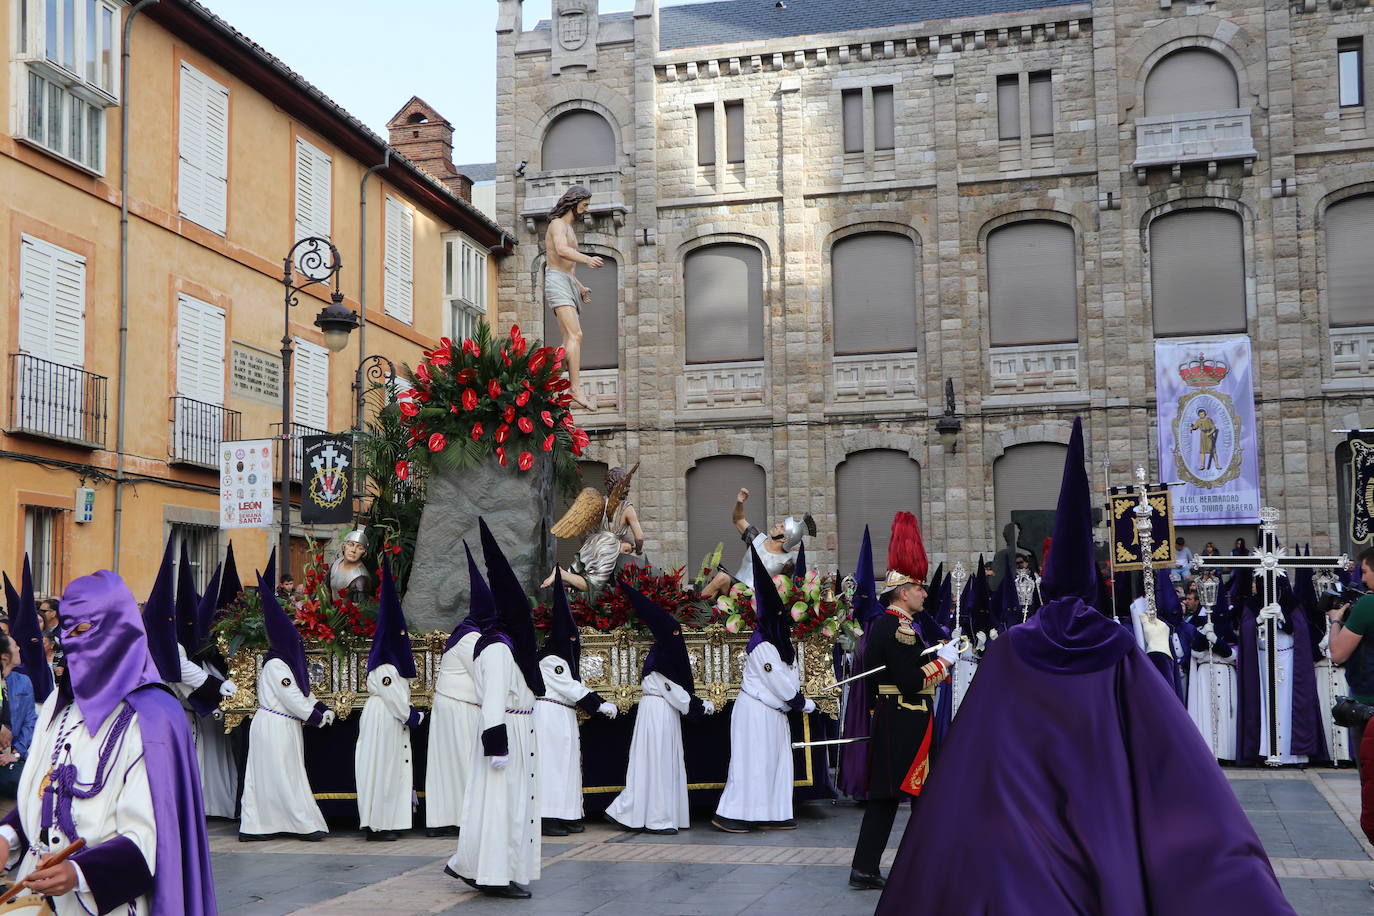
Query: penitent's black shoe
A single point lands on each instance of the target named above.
(788, 824)
(730, 825)
(255, 837)
(382, 836)
(510, 891)
(552, 827)
(662, 831)
(314, 837)
(866, 882)
(453, 874)
(450, 830)
(572, 826)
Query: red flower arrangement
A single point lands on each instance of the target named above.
(612, 609)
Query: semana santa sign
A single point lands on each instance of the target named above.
(1207, 435)
(245, 484)
(328, 464)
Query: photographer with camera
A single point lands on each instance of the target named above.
(1349, 625)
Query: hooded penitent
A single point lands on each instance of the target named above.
(187, 600)
(284, 640)
(27, 633)
(1062, 796)
(772, 623)
(866, 604)
(160, 620)
(1071, 571)
(391, 639)
(668, 656)
(852, 776)
(562, 641)
(481, 604)
(514, 624)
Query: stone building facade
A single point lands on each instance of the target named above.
(819, 214)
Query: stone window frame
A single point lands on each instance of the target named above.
(578, 103)
(686, 457)
(1022, 67)
(1249, 252)
(680, 291)
(858, 166)
(591, 247)
(985, 280)
(1325, 203)
(865, 225)
(711, 177)
(1250, 85)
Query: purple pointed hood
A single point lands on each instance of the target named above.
(1072, 567)
(481, 605)
(111, 659)
(562, 641)
(668, 656)
(205, 618)
(284, 639)
(229, 584)
(1004, 605)
(188, 599)
(867, 607)
(391, 639)
(160, 620)
(799, 565)
(980, 601)
(513, 619)
(944, 606)
(771, 621)
(27, 632)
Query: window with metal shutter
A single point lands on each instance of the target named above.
(600, 318)
(200, 351)
(310, 385)
(734, 131)
(579, 139)
(870, 487)
(52, 302)
(400, 278)
(853, 112)
(884, 132)
(706, 135)
(1349, 265)
(313, 188)
(593, 475)
(1041, 105)
(1009, 107)
(203, 150)
(1027, 477)
(712, 485)
(1197, 273)
(873, 277)
(1032, 284)
(1189, 81)
(724, 303)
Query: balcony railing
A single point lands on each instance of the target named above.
(1352, 352)
(543, 190)
(57, 402)
(197, 430)
(723, 385)
(883, 376)
(297, 446)
(1206, 136)
(1041, 367)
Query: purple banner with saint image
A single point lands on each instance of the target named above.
(1207, 435)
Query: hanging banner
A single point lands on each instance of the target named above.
(1207, 434)
(328, 475)
(1361, 492)
(245, 484)
(1126, 537)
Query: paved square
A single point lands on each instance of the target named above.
(1307, 819)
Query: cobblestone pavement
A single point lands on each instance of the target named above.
(1308, 821)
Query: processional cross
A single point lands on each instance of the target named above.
(1269, 562)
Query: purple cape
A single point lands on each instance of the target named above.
(1058, 796)
(1308, 733)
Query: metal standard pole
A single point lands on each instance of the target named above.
(284, 538)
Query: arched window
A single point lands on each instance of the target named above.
(1197, 273)
(578, 139)
(1025, 481)
(1191, 80)
(870, 486)
(711, 488)
(600, 318)
(873, 276)
(1032, 284)
(1350, 261)
(723, 291)
(593, 475)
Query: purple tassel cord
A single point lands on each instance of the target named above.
(63, 785)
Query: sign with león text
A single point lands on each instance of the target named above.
(255, 374)
(245, 484)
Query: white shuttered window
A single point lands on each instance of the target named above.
(313, 188)
(200, 351)
(400, 235)
(310, 385)
(870, 486)
(1197, 272)
(712, 485)
(52, 302)
(1349, 268)
(1032, 284)
(203, 150)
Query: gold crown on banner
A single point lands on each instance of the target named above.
(1203, 372)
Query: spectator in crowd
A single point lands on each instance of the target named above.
(1349, 626)
(47, 610)
(1210, 550)
(1183, 560)
(1240, 550)
(286, 588)
(22, 715)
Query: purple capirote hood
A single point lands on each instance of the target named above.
(110, 660)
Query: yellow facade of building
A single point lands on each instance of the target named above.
(231, 158)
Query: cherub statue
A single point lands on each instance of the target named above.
(611, 526)
(348, 573)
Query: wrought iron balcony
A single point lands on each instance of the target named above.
(1204, 137)
(297, 446)
(57, 402)
(197, 430)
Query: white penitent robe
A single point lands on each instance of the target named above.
(219, 776)
(655, 793)
(759, 785)
(381, 759)
(455, 724)
(1331, 683)
(965, 667)
(1283, 695)
(1212, 701)
(124, 807)
(500, 842)
(560, 742)
(276, 793)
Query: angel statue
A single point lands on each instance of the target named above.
(613, 538)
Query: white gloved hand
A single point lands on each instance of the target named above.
(420, 721)
(1270, 612)
(710, 707)
(609, 710)
(982, 642)
(1156, 635)
(228, 689)
(948, 653)
(327, 718)
(810, 706)
(1325, 645)
(499, 762)
(993, 634)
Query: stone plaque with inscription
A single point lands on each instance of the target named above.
(256, 374)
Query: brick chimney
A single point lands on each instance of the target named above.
(421, 134)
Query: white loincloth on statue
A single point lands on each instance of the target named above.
(276, 792)
(455, 727)
(655, 793)
(759, 785)
(382, 765)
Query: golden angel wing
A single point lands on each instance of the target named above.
(583, 516)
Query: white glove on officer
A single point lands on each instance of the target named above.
(810, 706)
(1156, 635)
(327, 718)
(948, 653)
(710, 707)
(609, 710)
(1325, 645)
(499, 762)
(1271, 612)
(982, 642)
(228, 689)
(420, 721)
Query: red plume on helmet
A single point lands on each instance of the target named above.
(906, 553)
